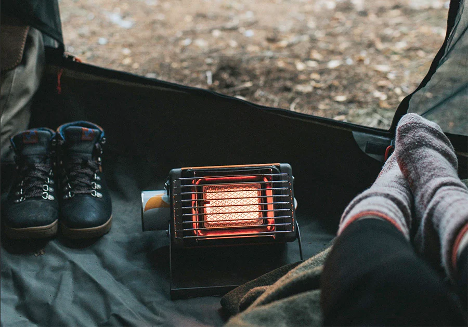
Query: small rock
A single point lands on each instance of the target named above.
(323, 106)
(380, 95)
(186, 42)
(127, 61)
(281, 64)
(249, 33)
(126, 51)
(382, 68)
(300, 66)
(201, 43)
(340, 98)
(303, 88)
(333, 64)
(102, 41)
(232, 43)
(340, 117)
(311, 63)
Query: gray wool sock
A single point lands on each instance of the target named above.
(389, 198)
(429, 163)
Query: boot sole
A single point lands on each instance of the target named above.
(32, 232)
(91, 232)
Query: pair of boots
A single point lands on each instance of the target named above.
(419, 192)
(58, 179)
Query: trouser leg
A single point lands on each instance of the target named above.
(18, 87)
(373, 277)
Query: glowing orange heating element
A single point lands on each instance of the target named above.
(233, 207)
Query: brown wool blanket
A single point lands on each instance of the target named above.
(287, 296)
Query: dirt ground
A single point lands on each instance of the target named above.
(350, 60)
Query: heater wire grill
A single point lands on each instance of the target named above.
(235, 205)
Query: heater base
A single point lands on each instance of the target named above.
(208, 271)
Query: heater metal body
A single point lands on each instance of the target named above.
(227, 225)
(232, 205)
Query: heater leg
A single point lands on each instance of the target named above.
(170, 259)
(298, 233)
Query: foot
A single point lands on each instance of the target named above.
(428, 161)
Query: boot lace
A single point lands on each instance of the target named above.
(81, 178)
(34, 180)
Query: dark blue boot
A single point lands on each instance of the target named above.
(31, 208)
(85, 203)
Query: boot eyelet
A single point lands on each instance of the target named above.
(21, 199)
(95, 186)
(96, 194)
(45, 188)
(45, 195)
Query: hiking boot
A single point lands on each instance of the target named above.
(31, 207)
(85, 203)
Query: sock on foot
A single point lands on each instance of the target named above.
(428, 161)
(389, 198)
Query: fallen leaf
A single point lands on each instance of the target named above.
(384, 105)
(315, 76)
(314, 54)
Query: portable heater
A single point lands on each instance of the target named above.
(223, 218)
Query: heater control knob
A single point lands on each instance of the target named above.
(155, 210)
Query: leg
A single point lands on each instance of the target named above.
(373, 277)
(429, 163)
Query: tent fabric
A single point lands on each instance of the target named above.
(443, 95)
